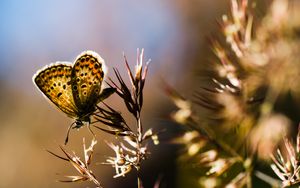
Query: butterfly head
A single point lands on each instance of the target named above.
(78, 124)
(81, 121)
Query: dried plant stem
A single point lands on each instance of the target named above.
(267, 106)
(140, 128)
(139, 182)
(139, 145)
(130, 153)
(249, 184)
(249, 177)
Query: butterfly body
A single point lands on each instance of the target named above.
(73, 88)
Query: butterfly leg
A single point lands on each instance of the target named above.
(89, 127)
(68, 132)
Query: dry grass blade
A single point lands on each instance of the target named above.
(80, 166)
(130, 153)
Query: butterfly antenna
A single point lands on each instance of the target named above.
(68, 132)
(89, 127)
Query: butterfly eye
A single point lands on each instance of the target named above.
(75, 88)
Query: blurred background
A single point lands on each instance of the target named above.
(35, 33)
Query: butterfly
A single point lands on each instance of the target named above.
(74, 88)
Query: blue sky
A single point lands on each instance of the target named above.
(34, 33)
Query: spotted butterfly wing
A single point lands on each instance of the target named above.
(55, 83)
(87, 76)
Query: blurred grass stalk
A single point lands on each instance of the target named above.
(258, 64)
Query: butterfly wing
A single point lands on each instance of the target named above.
(87, 76)
(55, 82)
